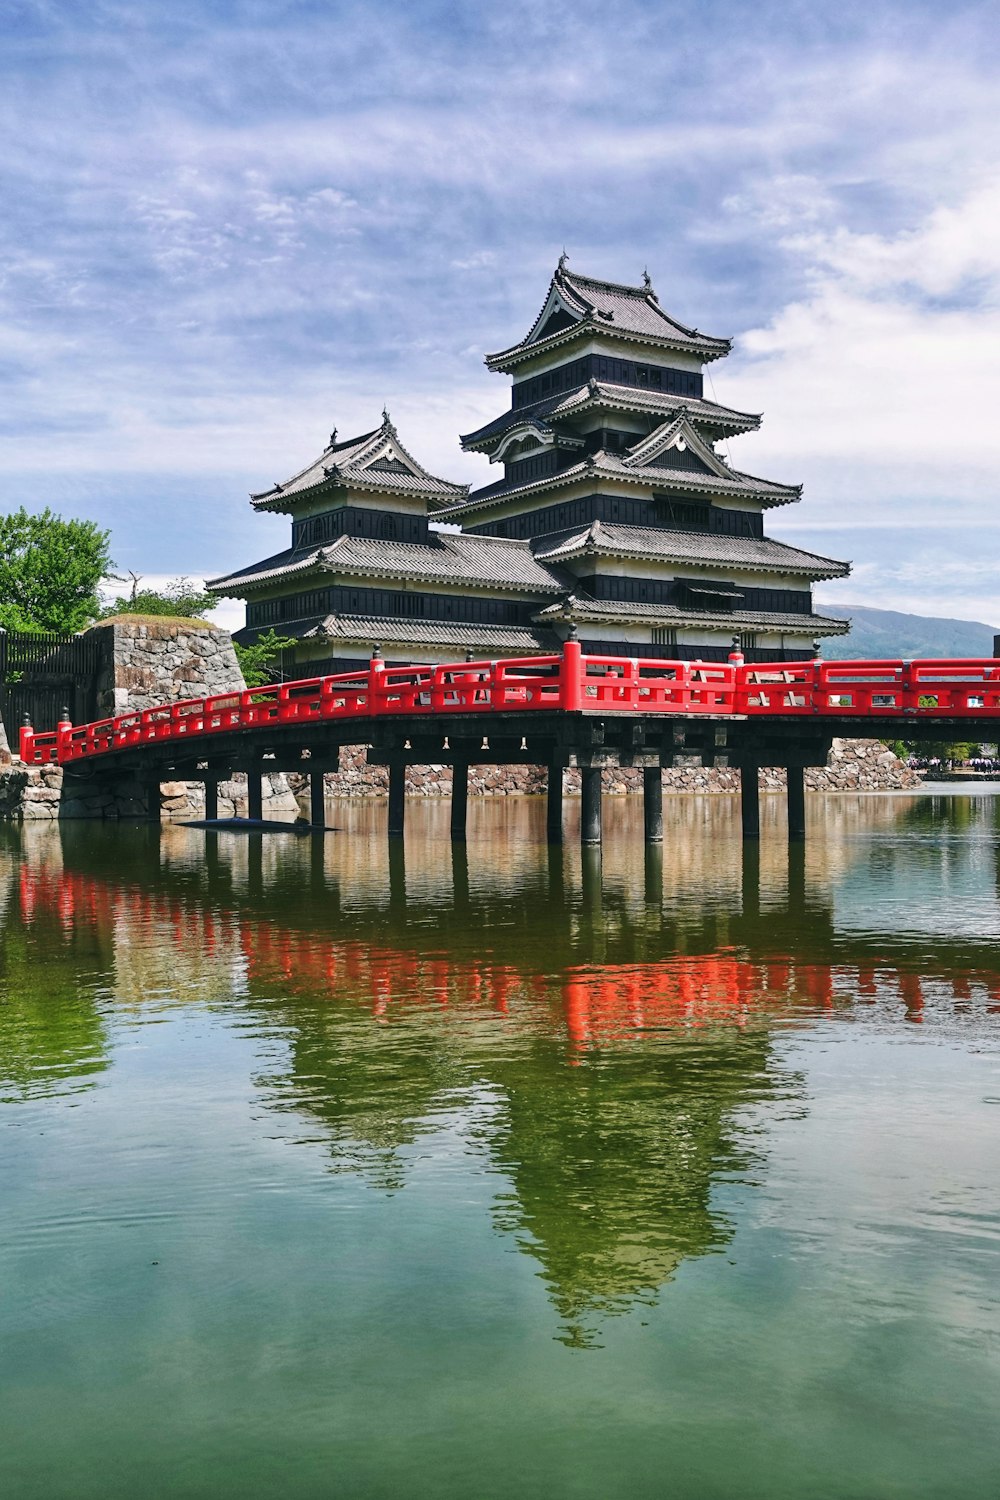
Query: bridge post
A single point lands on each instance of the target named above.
(653, 873)
(211, 797)
(459, 799)
(460, 875)
(796, 802)
(554, 802)
(652, 804)
(397, 797)
(255, 791)
(750, 880)
(750, 800)
(590, 804)
(397, 878)
(317, 799)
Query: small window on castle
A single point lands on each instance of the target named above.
(664, 635)
(748, 640)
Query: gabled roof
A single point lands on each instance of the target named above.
(608, 539)
(375, 461)
(678, 434)
(584, 611)
(582, 304)
(448, 558)
(620, 398)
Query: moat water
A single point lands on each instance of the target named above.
(328, 1170)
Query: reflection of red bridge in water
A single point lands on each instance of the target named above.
(587, 711)
(593, 1005)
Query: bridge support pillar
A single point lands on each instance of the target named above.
(653, 873)
(211, 797)
(796, 802)
(255, 792)
(750, 800)
(652, 804)
(554, 803)
(590, 804)
(151, 790)
(397, 798)
(459, 800)
(317, 799)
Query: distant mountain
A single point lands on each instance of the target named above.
(884, 633)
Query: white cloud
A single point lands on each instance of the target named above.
(879, 385)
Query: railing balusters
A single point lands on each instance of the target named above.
(961, 688)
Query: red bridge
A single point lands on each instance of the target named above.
(586, 711)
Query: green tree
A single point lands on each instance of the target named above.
(179, 598)
(257, 662)
(49, 571)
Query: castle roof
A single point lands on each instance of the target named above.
(578, 305)
(582, 611)
(608, 539)
(448, 558)
(389, 630)
(649, 468)
(376, 461)
(622, 398)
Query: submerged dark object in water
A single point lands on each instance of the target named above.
(254, 825)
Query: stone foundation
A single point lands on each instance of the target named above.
(853, 765)
(33, 793)
(148, 661)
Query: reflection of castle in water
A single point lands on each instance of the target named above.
(614, 1022)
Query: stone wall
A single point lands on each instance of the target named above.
(148, 661)
(29, 794)
(853, 765)
(145, 661)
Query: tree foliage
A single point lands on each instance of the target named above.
(179, 598)
(49, 571)
(257, 662)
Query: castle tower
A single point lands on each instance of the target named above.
(613, 475)
(365, 567)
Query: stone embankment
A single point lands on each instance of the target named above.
(853, 766)
(145, 661)
(31, 793)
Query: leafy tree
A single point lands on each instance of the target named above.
(179, 598)
(257, 662)
(946, 749)
(49, 571)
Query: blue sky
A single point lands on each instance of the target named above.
(229, 227)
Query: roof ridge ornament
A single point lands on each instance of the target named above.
(333, 439)
(562, 260)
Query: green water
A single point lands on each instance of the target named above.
(326, 1171)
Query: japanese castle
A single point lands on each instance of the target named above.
(616, 519)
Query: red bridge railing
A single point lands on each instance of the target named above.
(571, 682)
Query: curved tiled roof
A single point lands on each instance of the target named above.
(449, 557)
(609, 466)
(616, 398)
(613, 612)
(387, 629)
(608, 539)
(374, 461)
(606, 307)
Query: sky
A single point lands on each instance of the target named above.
(231, 225)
